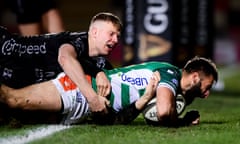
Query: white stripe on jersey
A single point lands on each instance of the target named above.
(135, 80)
(168, 86)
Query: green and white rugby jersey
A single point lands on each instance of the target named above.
(129, 83)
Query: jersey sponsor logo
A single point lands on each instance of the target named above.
(139, 81)
(7, 73)
(67, 83)
(175, 81)
(43, 75)
(10, 47)
(101, 62)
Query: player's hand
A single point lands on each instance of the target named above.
(192, 118)
(103, 84)
(99, 105)
(150, 91)
(153, 83)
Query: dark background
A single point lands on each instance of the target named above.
(76, 15)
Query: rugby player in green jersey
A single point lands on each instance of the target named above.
(128, 91)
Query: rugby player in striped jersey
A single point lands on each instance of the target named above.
(131, 89)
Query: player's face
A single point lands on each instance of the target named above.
(194, 91)
(206, 85)
(108, 38)
(201, 88)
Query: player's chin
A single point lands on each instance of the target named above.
(107, 51)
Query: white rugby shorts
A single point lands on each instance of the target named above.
(76, 108)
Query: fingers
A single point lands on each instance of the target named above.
(103, 84)
(196, 121)
(103, 104)
(192, 117)
(108, 90)
(152, 85)
(100, 90)
(156, 76)
(103, 90)
(107, 102)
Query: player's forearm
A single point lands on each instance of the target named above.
(142, 101)
(129, 113)
(75, 72)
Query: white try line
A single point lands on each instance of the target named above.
(33, 134)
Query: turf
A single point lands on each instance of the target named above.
(220, 118)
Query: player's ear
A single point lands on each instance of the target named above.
(195, 77)
(93, 30)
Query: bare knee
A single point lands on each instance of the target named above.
(12, 97)
(16, 103)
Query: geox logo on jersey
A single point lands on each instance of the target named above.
(139, 81)
(10, 46)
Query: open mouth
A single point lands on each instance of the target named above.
(110, 46)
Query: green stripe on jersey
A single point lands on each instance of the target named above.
(125, 95)
(141, 92)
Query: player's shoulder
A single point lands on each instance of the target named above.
(162, 67)
(79, 38)
(81, 35)
(159, 64)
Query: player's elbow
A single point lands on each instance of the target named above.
(163, 114)
(65, 54)
(167, 117)
(62, 58)
(164, 117)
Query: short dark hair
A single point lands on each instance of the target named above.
(202, 64)
(106, 16)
